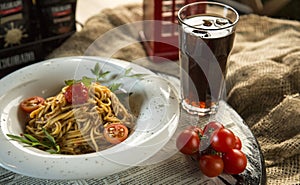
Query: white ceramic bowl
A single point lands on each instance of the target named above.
(156, 99)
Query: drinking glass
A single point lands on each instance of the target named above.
(206, 37)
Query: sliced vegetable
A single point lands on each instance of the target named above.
(115, 133)
(30, 104)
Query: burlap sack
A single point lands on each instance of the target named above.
(262, 83)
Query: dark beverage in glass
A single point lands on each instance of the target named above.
(206, 36)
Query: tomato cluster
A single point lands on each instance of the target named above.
(217, 149)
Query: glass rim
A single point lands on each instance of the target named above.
(212, 3)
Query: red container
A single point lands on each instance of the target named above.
(160, 35)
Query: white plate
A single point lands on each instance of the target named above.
(154, 97)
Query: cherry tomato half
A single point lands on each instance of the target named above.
(77, 93)
(188, 142)
(115, 133)
(30, 104)
(211, 165)
(235, 161)
(223, 140)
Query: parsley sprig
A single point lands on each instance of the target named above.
(102, 77)
(49, 142)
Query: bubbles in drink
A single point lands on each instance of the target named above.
(208, 22)
(202, 34)
(208, 26)
(222, 22)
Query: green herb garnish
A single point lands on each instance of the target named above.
(102, 77)
(49, 142)
(98, 73)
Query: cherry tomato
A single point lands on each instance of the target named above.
(30, 104)
(115, 133)
(196, 129)
(212, 126)
(208, 130)
(77, 93)
(188, 142)
(223, 140)
(211, 165)
(238, 143)
(235, 161)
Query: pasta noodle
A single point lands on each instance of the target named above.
(78, 129)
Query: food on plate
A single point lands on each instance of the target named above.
(216, 148)
(30, 104)
(84, 117)
(80, 119)
(115, 133)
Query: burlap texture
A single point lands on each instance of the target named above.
(263, 84)
(263, 79)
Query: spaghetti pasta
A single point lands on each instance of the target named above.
(78, 128)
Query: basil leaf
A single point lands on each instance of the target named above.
(20, 139)
(127, 71)
(137, 75)
(31, 138)
(32, 141)
(103, 74)
(52, 151)
(70, 82)
(87, 81)
(96, 69)
(49, 137)
(114, 87)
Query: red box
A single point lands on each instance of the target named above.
(160, 32)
